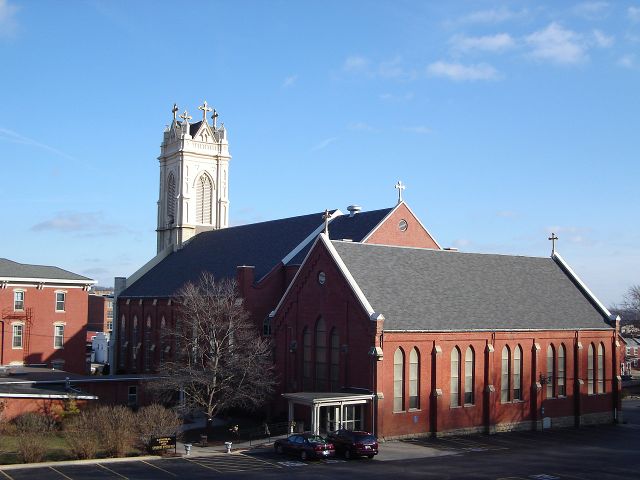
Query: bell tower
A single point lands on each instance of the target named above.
(194, 173)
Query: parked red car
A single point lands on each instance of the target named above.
(354, 443)
(305, 446)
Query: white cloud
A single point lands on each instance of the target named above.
(360, 127)
(355, 64)
(634, 14)
(397, 97)
(627, 61)
(85, 223)
(591, 10)
(489, 43)
(290, 81)
(558, 45)
(602, 40)
(419, 129)
(491, 16)
(14, 137)
(507, 214)
(324, 143)
(8, 23)
(460, 72)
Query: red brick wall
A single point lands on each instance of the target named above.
(42, 303)
(97, 321)
(415, 235)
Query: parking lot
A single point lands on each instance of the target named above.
(591, 452)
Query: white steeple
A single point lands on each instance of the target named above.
(194, 171)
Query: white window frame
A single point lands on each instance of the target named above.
(64, 300)
(13, 335)
(15, 292)
(55, 335)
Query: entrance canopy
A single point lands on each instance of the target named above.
(317, 400)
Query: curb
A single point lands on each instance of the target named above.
(90, 461)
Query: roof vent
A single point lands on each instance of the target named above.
(353, 209)
(451, 249)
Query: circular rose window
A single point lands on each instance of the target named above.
(322, 278)
(403, 225)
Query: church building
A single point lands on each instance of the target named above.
(375, 325)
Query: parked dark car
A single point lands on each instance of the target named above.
(354, 443)
(305, 445)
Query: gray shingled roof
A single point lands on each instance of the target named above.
(11, 269)
(420, 289)
(261, 245)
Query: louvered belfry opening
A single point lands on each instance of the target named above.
(171, 199)
(204, 197)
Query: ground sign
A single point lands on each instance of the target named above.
(161, 444)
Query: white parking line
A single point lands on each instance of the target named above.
(112, 471)
(155, 466)
(60, 473)
(6, 475)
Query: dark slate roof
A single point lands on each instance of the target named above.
(262, 245)
(194, 127)
(421, 289)
(13, 269)
(345, 227)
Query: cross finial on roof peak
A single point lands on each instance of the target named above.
(400, 187)
(553, 239)
(174, 110)
(185, 116)
(205, 108)
(214, 117)
(326, 216)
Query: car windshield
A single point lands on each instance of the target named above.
(315, 439)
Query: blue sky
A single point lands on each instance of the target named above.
(506, 121)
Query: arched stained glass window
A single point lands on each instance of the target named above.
(321, 355)
(335, 360)
(455, 377)
(600, 373)
(517, 373)
(414, 376)
(562, 371)
(505, 393)
(469, 368)
(551, 374)
(306, 359)
(398, 380)
(590, 369)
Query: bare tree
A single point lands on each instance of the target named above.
(219, 360)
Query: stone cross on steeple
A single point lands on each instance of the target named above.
(326, 216)
(214, 117)
(186, 117)
(205, 108)
(400, 187)
(553, 239)
(174, 110)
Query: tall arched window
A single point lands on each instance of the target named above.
(455, 377)
(123, 340)
(590, 369)
(562, 371)
(306, 359)
(334, 374)
(600, 373)
(414, 376)
(204, 199)
(321, 355)
(171, 199)
(469, 368)
(517, 373)
(505, 375)
(398, 380)
(551, 374)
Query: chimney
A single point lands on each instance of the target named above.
(353, 209)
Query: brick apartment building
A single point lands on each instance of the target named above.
(374, 324)
(44, 315)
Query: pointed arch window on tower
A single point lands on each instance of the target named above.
(171, 199)
(321, 355)
(204, 200)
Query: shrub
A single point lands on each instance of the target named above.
(31, 447)
(155, 421)
(116, 427)
(81, 434)
(32, 422)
